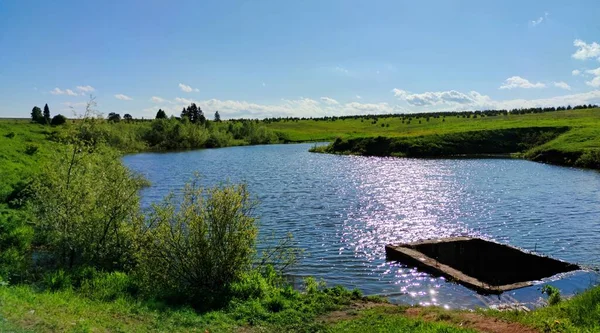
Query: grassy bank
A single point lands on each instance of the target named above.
(23, 309)
(569, 138)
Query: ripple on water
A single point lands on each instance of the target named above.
(343, 209)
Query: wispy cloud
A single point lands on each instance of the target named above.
(329, 101)
(186, 88)
(341, 70)
(576, 72)
(539, 20)
(123, 97)
(183, 100)
(562, 85)
(519, 82)
(86, 89)
(58, 91)
(158, 100)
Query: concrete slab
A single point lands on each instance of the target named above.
(485, 266)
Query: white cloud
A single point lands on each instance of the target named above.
(183, 101)
(58, 91)
(86, 89)
(432, 98)
(595, 72)
(585, 50)
(576, 72)
(562, 85)
(595, 82)
(329, 101)
(123, 97)
(358, 97)
(519, 82)
(186, 88)
(158, 100)
(456, 101)
(302, 107)
(539, 20)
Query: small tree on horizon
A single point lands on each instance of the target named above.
(127, 117)
(161, 114)
(36, 115)
(217, 116)
(46, 114)
(114, 117)
(57, 120)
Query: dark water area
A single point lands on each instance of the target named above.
(343, 210)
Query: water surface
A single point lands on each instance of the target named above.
(343, 209)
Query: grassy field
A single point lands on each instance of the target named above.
(578, 146)
(22, 146)
(319, 130)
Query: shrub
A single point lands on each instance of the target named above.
(84, 202)
(198, 245)
(57, 120)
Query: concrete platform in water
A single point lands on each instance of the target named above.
(485, 266)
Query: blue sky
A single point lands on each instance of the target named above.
(266, 58)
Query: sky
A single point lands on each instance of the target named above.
(265, 58)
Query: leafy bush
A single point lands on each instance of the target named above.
(84, 203)
(198, 245)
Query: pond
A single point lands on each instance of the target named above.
(343, 210)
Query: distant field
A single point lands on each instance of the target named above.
(578, 145)
(586, 124)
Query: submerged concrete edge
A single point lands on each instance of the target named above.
(405, 254)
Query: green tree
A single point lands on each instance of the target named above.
(46, 114)
(36, 115)
(217, 116)
(127, 117)
(114, 117)
(185, 114)
(59, 119)
(161, 114)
